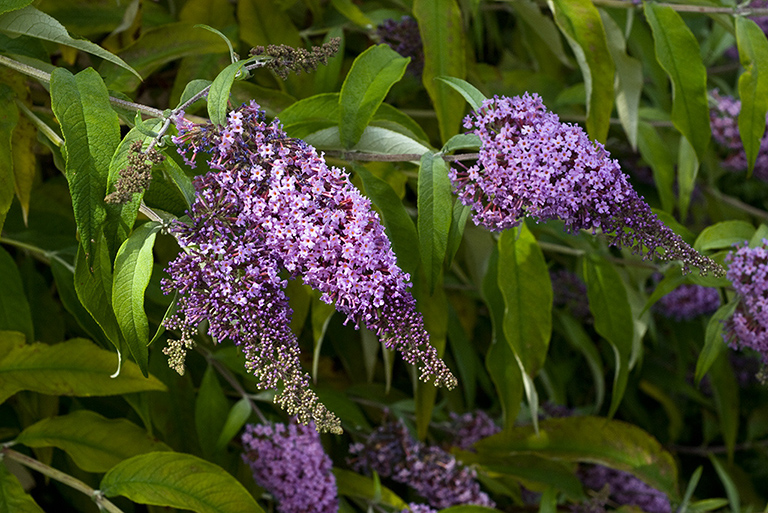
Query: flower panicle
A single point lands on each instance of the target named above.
(532, 165)
(286, 59)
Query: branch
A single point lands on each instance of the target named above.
(61, 477)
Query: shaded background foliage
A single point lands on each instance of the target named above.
(576, 353)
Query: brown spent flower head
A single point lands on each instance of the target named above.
(137, 175)
(286, 58)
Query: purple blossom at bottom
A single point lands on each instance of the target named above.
(429, 470)
(289, 462)
(418, 508)
(269, 209)
(748, 326)
(725, 131)
(469, 428)
(625, 489)
(689, 301)
(532, 165)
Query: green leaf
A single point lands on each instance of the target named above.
(75, 367)
(12, 495)
(753, 86)
(218, 96)
(580, 23)
(158, 46)
(730, 487)
(470, 93)
(94, 443)
(9, 117)
(353, 13)
(443, 38)
(399, 225)
(461, 213)
(714, 345)
(372, 75)
(435, 212)
(94, 290)
(13, 5)
(611, 443)
(692, 483)
(461, 142)
(191, 90)
(500, 359)
(211, 409)
(541, 24)
(381, 141)
(351, 484)
(629, 79)
(34, 23)
(65, 286)
(726, 393)
(527, 290)
(723, 235)
(678, 53)
(180, 179)
(575, 333)
(15, 314)
(687, 171)
(263, 22)
(236, 418)
(610, 308)
(178, 481)
(655, 151)
(92, 133)
(133, 268)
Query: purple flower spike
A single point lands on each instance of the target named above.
(432, 472)
(725, 131)
(290, 463)
(470, 428)
(625, 489)
(273, 205)
(532, 165)
(748, 272)
(689, 301)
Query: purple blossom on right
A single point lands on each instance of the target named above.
(725, 131)
(471, 427)
(748, 326)
(403, 37)
(625, 489)
(433, 473)
(689, 301)
(532, 165)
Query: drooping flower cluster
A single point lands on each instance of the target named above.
(532, 165)
(725, 131)
(625, 489)
(403, 37)
(272, 205)
(429, 470)
(418, 508)
(570, 292)
(289, 462)
(748, 326)
(689, 301)
(471, 427)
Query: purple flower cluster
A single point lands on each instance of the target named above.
(471, 427)
(570, 291)
(725, 131)
(625, 489)
(271, 207)
(532, 165)
(403, 37)
(418, 508)
(433, 473)
(748, 326)
(289, 462)
(689, 301)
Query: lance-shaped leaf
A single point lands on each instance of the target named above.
(655, 151)
(372, 75)
(443, 38)
(92, 133)
(75, 367)
(435, 212)
(678, 53)
(612, 443)
(12, 494)
(714, 345)
(95, 443)
(753, 86)
(178, 481)
(35, 23)
(527, 290)
(218, 95)
(723, 235)
(15, 314)
(9, 117)
(610, 308)
(211, 408)
(470, 93)
(133, 268)
(352, 484)
(580, 23)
